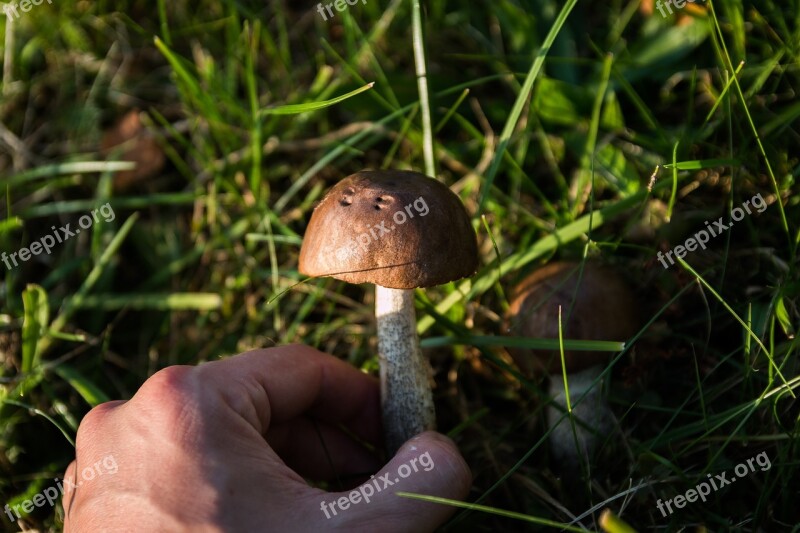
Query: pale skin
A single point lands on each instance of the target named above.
(225, 446)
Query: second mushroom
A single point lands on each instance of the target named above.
(596, 305)
(399, 230)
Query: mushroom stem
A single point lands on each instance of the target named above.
(593, 411)
(406, 397)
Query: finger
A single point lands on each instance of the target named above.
(319, 451)
(427, 464)
(278, 384)
(67, 495)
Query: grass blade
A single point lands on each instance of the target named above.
(200, 301)
(293, 109)
(488, 341)
(84, 386)
(37, 313)
(73, 303)
(422, 87)
(492, 510)
(522, 98)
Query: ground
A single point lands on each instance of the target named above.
(621, 133)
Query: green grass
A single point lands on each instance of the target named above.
(569, 130)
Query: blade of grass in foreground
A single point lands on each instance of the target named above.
(293, 109)
(422, 86)
(522, 98)
(488, 341)
(202, 301)
(491, 510)
(76, 167)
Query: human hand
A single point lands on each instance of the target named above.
(192, 456)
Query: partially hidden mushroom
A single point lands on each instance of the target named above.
(399, 230)
(596, 304)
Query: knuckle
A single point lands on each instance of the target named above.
(168, 383)
(170, 400)
(94, 423)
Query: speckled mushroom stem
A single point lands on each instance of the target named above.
(406, 397)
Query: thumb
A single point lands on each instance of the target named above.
(427, 464)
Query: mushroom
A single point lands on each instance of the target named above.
(399, 230)
(595, 305)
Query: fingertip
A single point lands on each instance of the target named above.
(429, 464)
(449, 462)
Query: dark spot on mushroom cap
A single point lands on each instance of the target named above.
(382, 203)
(347, 197)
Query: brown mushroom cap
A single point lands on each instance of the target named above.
(604, 309)
(393, 228)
